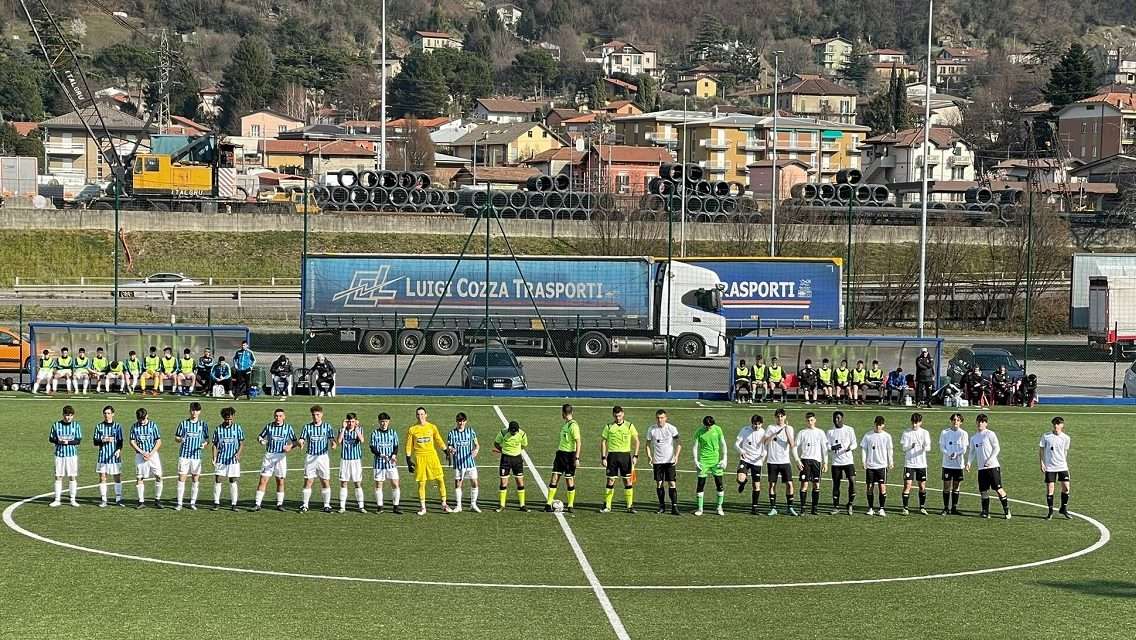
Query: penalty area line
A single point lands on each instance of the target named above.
(597, 587)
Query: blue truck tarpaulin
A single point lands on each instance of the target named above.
(779, 292)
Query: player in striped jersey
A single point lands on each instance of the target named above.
(351, 461)
(192, 435)
(316, 438)
(66, 434)
(384, 445)
(228, 445)
(462, 448)
(108, 441)
(278, 438)
(146, 440)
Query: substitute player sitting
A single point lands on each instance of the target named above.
(64, 370)
(462, 448)
(81, 373)
(316, 438)
(45, 372)
(511, 443)
(710, 460)
(185, 380)
(423, 441)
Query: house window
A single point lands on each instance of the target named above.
(282, 128)
(623, 183)
(530, 133)
(254, 130)
(1084, 127)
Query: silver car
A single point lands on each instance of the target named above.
(158, 285)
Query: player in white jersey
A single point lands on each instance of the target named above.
(778, 443)
(984, 450)
(953, 444)
(663, 449)
(878, 457)
(915, 442)
(1053, 454)
(812, 460)
(842, 442)
(750, 445)
(316, 439)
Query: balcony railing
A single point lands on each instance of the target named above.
(752, 144)
(714, 167)
(65, 148)
(710, 143)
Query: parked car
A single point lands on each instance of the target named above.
(493, 368)
(15, 352)
(988, 360)
(88, 194)
(158, 285)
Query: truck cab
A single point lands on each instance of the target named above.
(693, 302)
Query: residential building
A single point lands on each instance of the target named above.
(557, 115)
(904, 71)
(617, 108)
(1121, 70)
(552, 49)
(812, 96)
(656, 128)
(621, 87)
(580, 126)
(703, 86)
(789, 173)
(953, 64)
(946, 110)
(499, 178)
(393, 63)
(508, 14)
(832, 54)
(427, 41)
(315, 157)
(505, 144)
(624, 57)
(900, 156)
(623, 169)
(1098, 127)
(209, 101)
(505, 110)
(1043, 169)
(566, 160)
(267, 124)
(73, 157)
(887, 56)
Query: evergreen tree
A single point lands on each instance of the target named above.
(533, 69)
(648, 92)
(467, 76)
(420, 88)
(889, 110)
(527, 26)
(20, 97)
(560, 13)
(902, 116)
(858, 70)
(1073, 78)
(248, 82)
(707, 44)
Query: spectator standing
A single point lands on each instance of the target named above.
(924, 377)
(243, 362)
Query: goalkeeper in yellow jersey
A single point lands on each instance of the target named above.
(423, 441)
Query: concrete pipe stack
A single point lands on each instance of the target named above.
(389, 191)
(706, 200)
(847, 190)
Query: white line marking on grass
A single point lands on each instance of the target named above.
(597, 588)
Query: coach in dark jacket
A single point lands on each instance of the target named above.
(924, 378)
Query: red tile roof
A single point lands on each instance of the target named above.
(354, 148)
(620, 83)
(434, 34)
(1123, 101)
(632, 155)
(941, 137)
(24, 128)
(508, 105)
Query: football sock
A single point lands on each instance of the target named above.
(279, 498)
(1005, 500)
(789, 500)
(306, 495)
(629, 496)
(571, 497)
(985, 505)
(73, 489)
(754, 498)
(607, 497)
(801, 498)
(422, 492)
(233, 493)
(502, 497)
(118, 491)
(141, 489)
(359, 496)
(721, 498)
(458, 495)
(442, 490)
(851, 494)
(661, 494)
(158, 484)
(103, 493)
(673, 493)
(521, 496)
(883, 500)
(946, 499)
(1064, 500)
(180, 491)
(772, 500)
(701, 496)
(871, 500)
(396, 494)
(216, 493)
(473, 492)
(1049, 502)
(551, 495)
(815, 498)
(954, 499)
(906, 499)
(259, 497)
(343, 497)
(741, 486)
(193, 487)
(379, 497)
(922, 499)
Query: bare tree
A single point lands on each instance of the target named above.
(416, 150)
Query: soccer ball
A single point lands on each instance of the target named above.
(557, 506)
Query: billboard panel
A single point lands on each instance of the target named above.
(779, 292)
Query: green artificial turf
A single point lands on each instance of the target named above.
(51, 591)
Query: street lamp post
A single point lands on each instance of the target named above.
(383, 95)
(682, 183)
(926, 149)
(773, 170)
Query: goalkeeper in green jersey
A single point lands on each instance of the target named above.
(710, 459)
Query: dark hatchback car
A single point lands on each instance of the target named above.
(493, 368)
(988, 360)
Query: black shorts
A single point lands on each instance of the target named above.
(873, 384)
(564, 463)
(1057, 476)
(952, 474)
(751, 470)
(915, 474)
(619, 464)
(840, 471)
(665, 472)
(809, 386)
(811, 472)
(841, 385)
(875, 476)
(990, 479)
(779, 471)
(511, 465)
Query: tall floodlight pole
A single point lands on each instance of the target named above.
(683, 182)
(773, 186)
(926, 166)
(383, 95)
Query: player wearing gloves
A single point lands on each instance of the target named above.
(778, 443)
(984, 450)
(710, 455)
(842, 442)
(915, 442)
(750, 445)
(953, 444)
(812, 460)
(878, 456)
(423, 441)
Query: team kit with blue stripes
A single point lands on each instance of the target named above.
(772, 448)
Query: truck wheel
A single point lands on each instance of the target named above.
(376, 342)
(689, 347)
(445, 343)
(411, 341)
(593, 344)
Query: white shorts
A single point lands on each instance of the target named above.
(274, 464)
(351, 470)
(386, 474)
(148, 468)
(189, 466)
(109, 468)
(232, 470)
(63, 373)
(68, 466)
(82, 373)
(469, 473)
(44, 375)
(317, 467)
